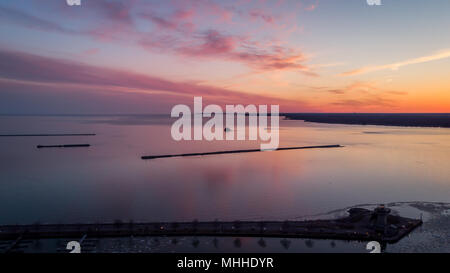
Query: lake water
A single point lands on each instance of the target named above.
(109, 181)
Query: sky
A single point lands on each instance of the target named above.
(137, 56)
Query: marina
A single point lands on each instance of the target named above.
(360, 224)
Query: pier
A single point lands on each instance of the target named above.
(239, 151)
(360, 224)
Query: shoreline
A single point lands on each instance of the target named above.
(399, 120)
(434, 229)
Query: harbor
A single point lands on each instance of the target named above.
(360, 224)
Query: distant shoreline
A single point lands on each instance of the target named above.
(435, 120)
(404, 120)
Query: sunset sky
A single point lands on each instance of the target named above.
(120, 57)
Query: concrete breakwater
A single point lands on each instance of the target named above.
(239, 151)
(63, 146)
(45, 135)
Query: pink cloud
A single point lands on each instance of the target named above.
(258, 14)
(180, 20)
(214, 45)
(91, 51)
(23, 69)
(311, 7)
(115, 11)
(177, 31)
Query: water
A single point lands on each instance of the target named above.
(109, 181)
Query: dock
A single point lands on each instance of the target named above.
(361, 224)
(239, 151)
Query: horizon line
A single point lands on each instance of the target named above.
(168, 114)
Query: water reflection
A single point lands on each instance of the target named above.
(237, 243)
(109, 181)
(309, 243)
(285, 243)
(193, 244)
(262, 243)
